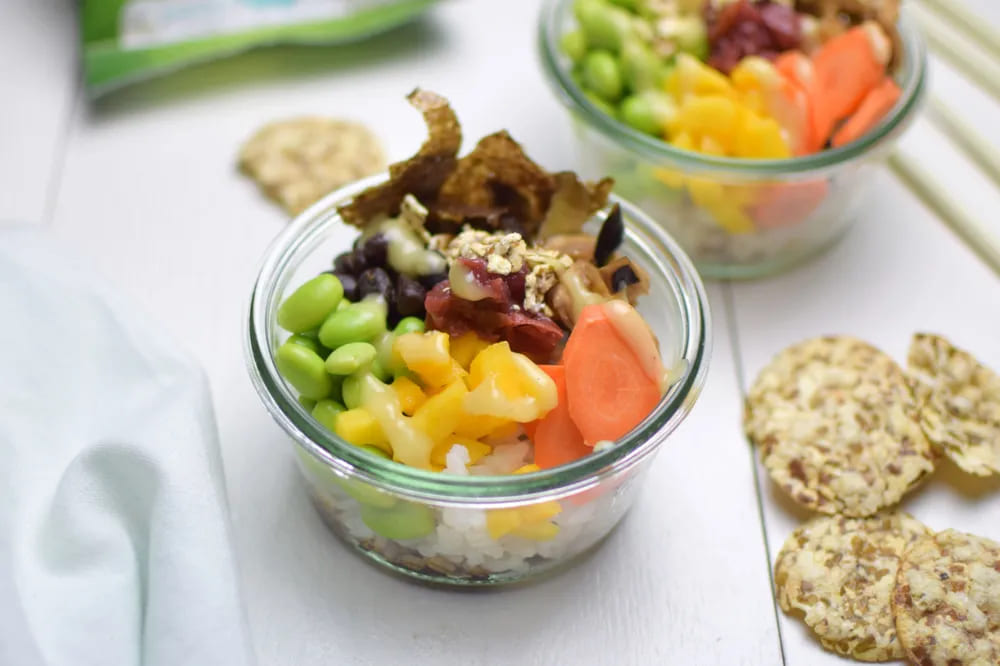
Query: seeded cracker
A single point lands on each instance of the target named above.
(960, 403)
(298, 161)
(839, 574)
(947, 601)
(837, 426)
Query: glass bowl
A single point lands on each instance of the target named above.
(736, 218)
(435, 526)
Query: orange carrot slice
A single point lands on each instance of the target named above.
(845, 69)
(873, 108)
(608, 391)
(557, 439)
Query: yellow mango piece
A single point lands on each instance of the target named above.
(500, 522)
(525, 469)
(537, 532)
(697, 78)
(684, 141)
(477, 450)
(705, 192)
(710, 146)
(754, 101)
(441, 413)
(428, 356)
(536, 513)
(754, 72)
(359, 427)
(760, 137)
(509, 386)
(465, 347)
(410, 395)
(712, 115)
(410, 445)
(672, 178)
(731, 217)
(505, 431)
(477, 426)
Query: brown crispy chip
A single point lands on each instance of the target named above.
(959, 403)
(422, 174)
(498, 173)
(838, 574)
(838, 426)
(947, 600)
(573, 203)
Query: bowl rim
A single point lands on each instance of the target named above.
(349, 461)
(571, 96)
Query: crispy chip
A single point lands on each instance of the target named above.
(838, 574)
(498, 173)
(959, 403)
(422, 174)
(947, 600)
(573, 203)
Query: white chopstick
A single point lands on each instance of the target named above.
(974, 26)
(926, 187)
(951, 45)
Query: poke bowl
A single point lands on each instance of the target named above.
(753, 148)
(425, 466)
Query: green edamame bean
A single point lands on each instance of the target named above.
(375, 451)
(574, 45)
(308, 403)
(602, 75)
(641, 68)
(604, 26)
(306, 341)
(303, 368)
(636, 112)
(359, 322)
(326, 412)
(404, 521)
(350, 391)
(350, 358)
(627, 4)
(310, 304)
(409, 325)
(344, 303)
(380, 372)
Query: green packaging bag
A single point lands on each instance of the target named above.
(128, 40)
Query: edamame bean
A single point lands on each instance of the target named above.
(350, 358)
(406, 520)
(308, 403)
(380, 372)
(601, 105)
(605, 26)
(409, 325)
(358, 322)
(305, 341)
(641, 68)
(303, 368)
(350, 391)
(574, 45)
(602, 75)
(310, 304)
(326, 412)
(637, 112)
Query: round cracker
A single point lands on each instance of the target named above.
(947, 600)
(839, 574)
(298, 161)
(960, 403)
(837, 426)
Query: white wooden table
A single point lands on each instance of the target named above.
(144, 186)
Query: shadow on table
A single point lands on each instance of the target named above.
(271, 64)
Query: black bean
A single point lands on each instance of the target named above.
(375, 251)
(349, 283)
(622, 278)
(375, 281)
(610, 237)
(410, 296)
(430, 280)
(350, 262)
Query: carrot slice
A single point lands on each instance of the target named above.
(608, 391)
(873, 108)
(845, 69)
(796, 67)
(557, 439)
(786, 204)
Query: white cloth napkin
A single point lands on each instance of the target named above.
(114, 537)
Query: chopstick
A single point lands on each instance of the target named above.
(976, 27)
(974, 145)
(923, 184)
(949, 43)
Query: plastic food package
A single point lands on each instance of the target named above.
(128, 40)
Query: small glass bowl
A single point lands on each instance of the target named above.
(435, 526)
(737, 218)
